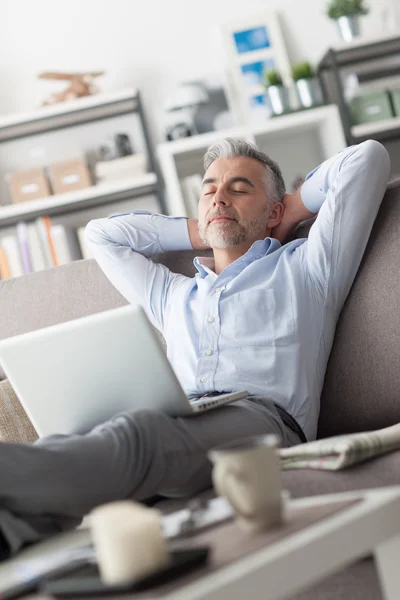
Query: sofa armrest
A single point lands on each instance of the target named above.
(15, 425)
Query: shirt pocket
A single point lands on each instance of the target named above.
(264, 317)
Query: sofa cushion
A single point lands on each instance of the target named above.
(15, 426)
(53, 296)
(362, 383)
(378, 472)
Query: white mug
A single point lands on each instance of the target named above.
(247, 473)
(128, 541)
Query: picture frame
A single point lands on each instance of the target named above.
(252, 46)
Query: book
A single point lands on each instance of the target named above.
(66, 244)
(47, 224)
(4, 266)
(10, 246)
(44, 242)
(86, 252)
(38, 259)
(23, 243)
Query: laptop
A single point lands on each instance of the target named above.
(73, 376)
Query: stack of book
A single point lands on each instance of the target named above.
(40, 245)
(191, 191)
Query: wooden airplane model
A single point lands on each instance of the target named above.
(81, 84)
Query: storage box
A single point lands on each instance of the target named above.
(370, 106)
(128, 166)
(29, 185)
(396, 101)
(69, 175)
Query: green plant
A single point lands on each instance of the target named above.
(346, 8)
(273, 77)
(303, 70)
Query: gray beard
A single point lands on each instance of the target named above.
(227, 234)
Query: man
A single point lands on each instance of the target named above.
(258, 316)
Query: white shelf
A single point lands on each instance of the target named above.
(360, 41)
(61, 108)
(202, 140)
(297, 120)
(79, 199)
(366, 129)
(66, 114)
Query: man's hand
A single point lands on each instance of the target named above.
(295, 213)
(195, 239)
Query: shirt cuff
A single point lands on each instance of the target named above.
(174, 234)
(311, 194)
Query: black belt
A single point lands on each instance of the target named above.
(291, 422)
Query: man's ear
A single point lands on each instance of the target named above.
(276, 214)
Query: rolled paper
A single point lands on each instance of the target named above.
(128, 541)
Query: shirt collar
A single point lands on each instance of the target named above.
(259, 249)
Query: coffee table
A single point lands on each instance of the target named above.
(321, 536)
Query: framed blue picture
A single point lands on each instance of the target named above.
(250, 40)
(254, 73)
(253, 46)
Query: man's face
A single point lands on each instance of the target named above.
(233, 207)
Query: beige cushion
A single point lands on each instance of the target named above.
(15, 425)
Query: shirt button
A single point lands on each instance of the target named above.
(211, 319)
(203, 380)
(217, 290)
(208, 352)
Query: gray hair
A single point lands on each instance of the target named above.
(230, 147)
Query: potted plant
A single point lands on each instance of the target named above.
(278, 93)
(347, 13)
(307, 85)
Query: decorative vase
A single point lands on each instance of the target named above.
(349, 27)
(279, 99)
(309, 92)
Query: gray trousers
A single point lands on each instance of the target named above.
(52, 485)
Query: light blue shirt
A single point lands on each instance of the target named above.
(266, 323)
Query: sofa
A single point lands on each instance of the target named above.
(362, 383)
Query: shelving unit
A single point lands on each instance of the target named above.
(298, 142)
(39, 139)
(77, 113)
(371, 60)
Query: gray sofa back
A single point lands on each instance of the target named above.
(362, 383)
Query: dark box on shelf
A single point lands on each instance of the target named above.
(370, 107)
(29, 185)
(69, 175)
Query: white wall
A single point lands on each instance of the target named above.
(151, 44)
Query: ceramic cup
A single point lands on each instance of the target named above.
(128, 541)
(247, 473)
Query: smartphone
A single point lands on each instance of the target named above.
(89, 583)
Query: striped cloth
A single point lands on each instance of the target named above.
(339, 452)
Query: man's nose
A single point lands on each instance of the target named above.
(220, 197)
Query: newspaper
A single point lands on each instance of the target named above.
(339, 452)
